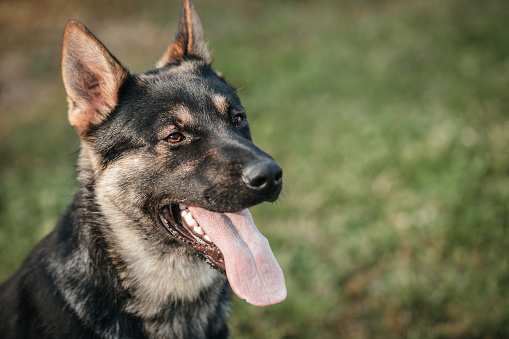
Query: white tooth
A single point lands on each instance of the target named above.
(206, 237)
(197, 229)
(183, 213)
(191, 222)
(182, 206)
(189, 218)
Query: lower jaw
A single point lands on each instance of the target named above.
(210, 253)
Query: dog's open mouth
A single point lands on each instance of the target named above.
(232, 243)
(179, 221)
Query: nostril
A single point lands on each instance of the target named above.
(262, 175)
(278, 178)
(258, 182)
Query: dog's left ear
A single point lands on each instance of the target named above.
(92, 78)
(189, 41)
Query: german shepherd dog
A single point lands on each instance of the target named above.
(159, 224)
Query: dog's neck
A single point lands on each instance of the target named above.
(157, 278)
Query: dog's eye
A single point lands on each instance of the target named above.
(175, 137)
(238, 119)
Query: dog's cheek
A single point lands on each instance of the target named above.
(177, 176)
(125, 185)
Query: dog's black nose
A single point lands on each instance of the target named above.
(263, 175)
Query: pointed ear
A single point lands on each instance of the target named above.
(92, 77)
(189, 41)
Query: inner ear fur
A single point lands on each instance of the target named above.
(189, 41)
(92, 77)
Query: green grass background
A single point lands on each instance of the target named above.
(389, 117)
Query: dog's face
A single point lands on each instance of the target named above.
(172, 150)
(181, 136)
(192, 123)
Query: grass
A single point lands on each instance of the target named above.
(388, 117)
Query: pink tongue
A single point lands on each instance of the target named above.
(252, 270)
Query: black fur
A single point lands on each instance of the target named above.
(110, 269)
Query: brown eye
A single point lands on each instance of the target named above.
(238, 119)
(175, 137)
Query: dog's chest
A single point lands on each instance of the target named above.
(157, 278)
(176, 297)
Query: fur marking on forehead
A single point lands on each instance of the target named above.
(221, 103)
(184, 115)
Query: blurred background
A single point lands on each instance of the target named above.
(389, 117)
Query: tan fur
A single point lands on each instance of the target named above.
(88, 162)
(174, 52)
(220, 103)
(185, 116)
(189, 40)
(155, 276)
(92, 77)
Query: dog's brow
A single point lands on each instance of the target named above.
(184, 115)
(221, 103)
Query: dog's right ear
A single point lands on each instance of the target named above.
(92, 78)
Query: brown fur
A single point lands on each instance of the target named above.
(92, 78)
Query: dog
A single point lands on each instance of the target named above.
(159, 229)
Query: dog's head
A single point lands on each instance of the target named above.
(173, 146)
